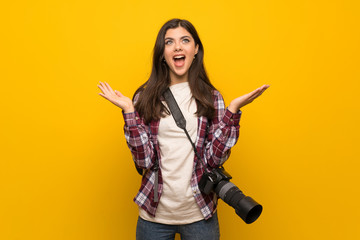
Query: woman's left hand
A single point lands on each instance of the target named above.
(239, 102)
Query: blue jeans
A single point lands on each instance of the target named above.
(201, 230)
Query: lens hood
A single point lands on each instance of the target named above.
(248, 210)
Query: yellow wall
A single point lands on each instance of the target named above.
(65, 170)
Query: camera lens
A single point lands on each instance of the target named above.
(245, 207)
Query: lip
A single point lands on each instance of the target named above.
(179, 55)
(177, 64)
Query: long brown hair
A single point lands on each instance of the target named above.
(149, 105)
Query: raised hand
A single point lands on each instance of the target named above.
(116, 97)
(239, 102)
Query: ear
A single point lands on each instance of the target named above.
(196, 48)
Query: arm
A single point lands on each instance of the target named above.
(223, 133)
(224, 128)
(137, 134)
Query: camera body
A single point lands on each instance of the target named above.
(218, 180)
(209, 180)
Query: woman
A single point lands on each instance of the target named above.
(176, 204)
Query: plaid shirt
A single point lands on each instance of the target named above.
(213, 142)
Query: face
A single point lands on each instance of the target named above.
(179, 52)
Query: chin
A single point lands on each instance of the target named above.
(180, 72)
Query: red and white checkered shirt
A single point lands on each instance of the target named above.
(214, 140)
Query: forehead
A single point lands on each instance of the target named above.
(177, 33)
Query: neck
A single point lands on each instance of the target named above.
(178, 79)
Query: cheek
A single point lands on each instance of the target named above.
(167, 54)
(191, 50)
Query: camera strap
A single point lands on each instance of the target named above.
(180, 119)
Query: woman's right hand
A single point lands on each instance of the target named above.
(116, 98)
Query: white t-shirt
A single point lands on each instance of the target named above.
(177, 204)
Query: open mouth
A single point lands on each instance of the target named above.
(179, 60)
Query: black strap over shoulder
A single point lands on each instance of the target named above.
(179, 118)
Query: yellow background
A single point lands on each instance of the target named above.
(65, 169)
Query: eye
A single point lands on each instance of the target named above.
(168, 42)
(186, 40)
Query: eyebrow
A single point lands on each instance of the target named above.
(169, 38)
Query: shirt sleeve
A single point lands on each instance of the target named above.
(137, 135)
(223, 133)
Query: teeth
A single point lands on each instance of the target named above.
(177, 57)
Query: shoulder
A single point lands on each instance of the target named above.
(136, 95)
(217, 98)
(216, 93)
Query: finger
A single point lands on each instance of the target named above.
(257, 95)
(119, 93)
(109, 88)
(253, 93)
(105, 91)
(106, 87)
(103, 88)
(264, 87)
(263, 90)
(259, 90)
(104, 96)
(109, 91)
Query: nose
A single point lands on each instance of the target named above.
(177, 46)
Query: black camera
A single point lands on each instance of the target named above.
(218, 180)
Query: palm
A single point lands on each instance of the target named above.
(241, 101)
(115, 97)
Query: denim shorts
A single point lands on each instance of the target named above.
(200, 230)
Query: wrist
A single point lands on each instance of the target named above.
(129, 110)
(233, 108)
